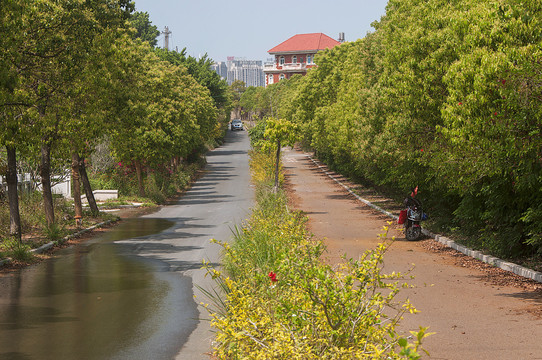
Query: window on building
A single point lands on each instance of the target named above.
(281, 77)
(281, 61)
(301, 59)
(294, 60)
(309, 59)
(271, 79)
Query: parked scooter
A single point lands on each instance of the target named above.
(411, 216)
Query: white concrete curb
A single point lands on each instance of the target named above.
(491, 260)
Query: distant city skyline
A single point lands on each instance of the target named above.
(248, 71)
(248, 29)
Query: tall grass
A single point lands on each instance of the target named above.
(14, 249)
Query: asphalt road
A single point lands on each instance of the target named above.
(129, 292)
(220, 200)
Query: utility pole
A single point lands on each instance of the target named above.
(166, 33)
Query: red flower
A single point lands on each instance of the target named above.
(460, 103)
(273, 276)
(421, 150)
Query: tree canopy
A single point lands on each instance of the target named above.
(73, 73)
(145, 30)
(444, 95)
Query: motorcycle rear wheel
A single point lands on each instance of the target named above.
(412, 233)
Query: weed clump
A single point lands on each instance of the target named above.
(16, 250)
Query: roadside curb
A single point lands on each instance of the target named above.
(50, 244)
(118, 207)
(488, 259)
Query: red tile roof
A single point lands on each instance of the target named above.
(305, 42)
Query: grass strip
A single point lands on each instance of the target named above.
(279, 300)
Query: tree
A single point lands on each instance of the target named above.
(237, 88)
(201, 70)
(89, 98)
(10, 112)
(47, 49)
(164, 115)
(248, 101)
(145, 30)
(443, 94)
(279, 132)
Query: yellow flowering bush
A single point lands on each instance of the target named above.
(281, 301)
(262, 165)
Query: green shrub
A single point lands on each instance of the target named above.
(256, 133)
(16, 250)
(54, 232)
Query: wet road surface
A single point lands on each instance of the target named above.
(129, 293)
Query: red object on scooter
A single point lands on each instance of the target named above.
(402, 217)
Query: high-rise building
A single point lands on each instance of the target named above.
(248, 71)
(221, 69)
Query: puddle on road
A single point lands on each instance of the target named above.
(93, 302)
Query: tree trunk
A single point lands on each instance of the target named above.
(45, 174)
(13, 197)
(277, 161)
(76, 188)
(139, 173)
(88, 188)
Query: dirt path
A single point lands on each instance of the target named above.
(475, 314)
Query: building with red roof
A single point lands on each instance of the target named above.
(296, 55)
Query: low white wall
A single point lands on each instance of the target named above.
(103, 195)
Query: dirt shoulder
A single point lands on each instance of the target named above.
(476, 310)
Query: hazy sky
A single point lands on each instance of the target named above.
(245, 28)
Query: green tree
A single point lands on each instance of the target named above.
(145, 30)
(444, 95)
(40, 75)
(165, 115)
(237, 88)
(201, 70)
(90, 95)
(248, 102)
(279, 132)
(11, 110)
(47, 50)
